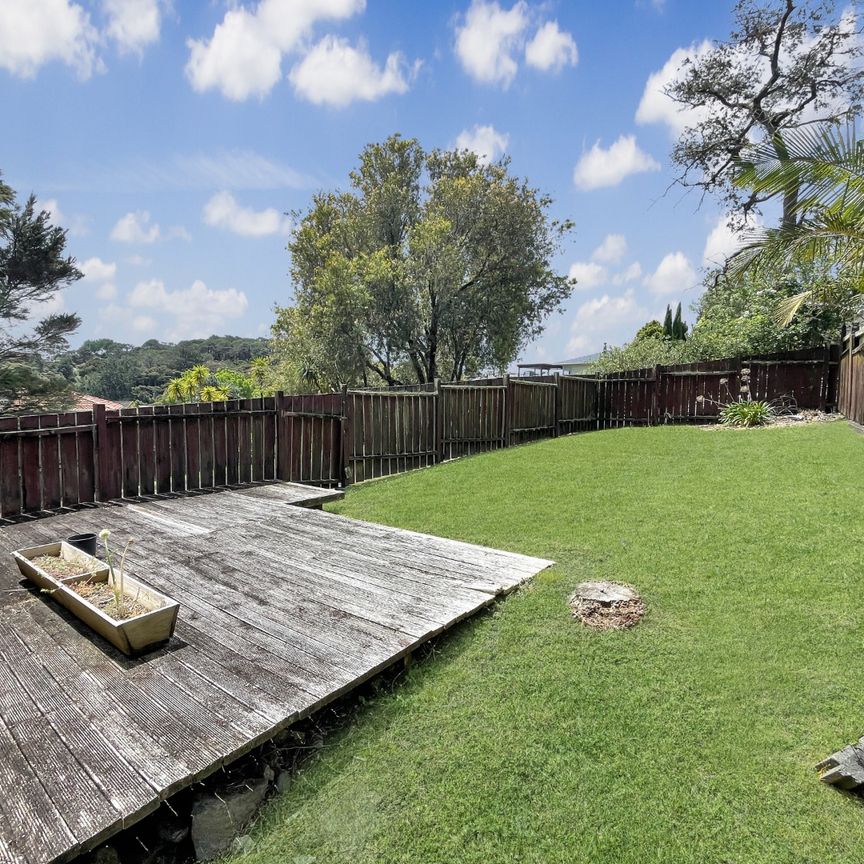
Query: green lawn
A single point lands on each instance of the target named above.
(691, 738)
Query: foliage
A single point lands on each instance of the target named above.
(824, 167)
(747, 412)
(679, 328)
(199, 384)
(702, 724)
(736, 317)
(33, 268)
(113, 370)
(432, 265)
(785, 64)
(118, 580)
(650, 330)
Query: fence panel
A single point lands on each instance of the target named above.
(472, 419)
(389, 432)
(577, 404)
(532, 410)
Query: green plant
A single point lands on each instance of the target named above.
(747, 412)
(117, 578)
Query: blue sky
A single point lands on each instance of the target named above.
(170, 138)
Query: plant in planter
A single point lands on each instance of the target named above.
(129, 614)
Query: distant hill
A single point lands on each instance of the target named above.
(114, 370)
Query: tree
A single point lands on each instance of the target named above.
(432, 265)
(679, 328)
(667, 323)
(825, 167)
(786, 65)
(650, 330)
(33, 268)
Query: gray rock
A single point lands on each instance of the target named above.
(218, 819)
(283, 781)
(105, 855)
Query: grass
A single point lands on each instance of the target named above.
(691, 738)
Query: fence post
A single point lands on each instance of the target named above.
(281, 461)
(655, 397)
(346, 433)
(100, 439)
(557, 430)
(508, 418)
(438, 419)
(826, 379)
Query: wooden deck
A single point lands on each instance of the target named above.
(282, 610)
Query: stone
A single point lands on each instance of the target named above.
(105, 855)
(218, 819)
(283, 781)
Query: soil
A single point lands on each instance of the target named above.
(102, 597)
(60, 567)
(606, 605)
(801, 418)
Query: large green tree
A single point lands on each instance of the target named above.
(786, 64)
(33, 268)
(432, 264)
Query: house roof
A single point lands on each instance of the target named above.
(85, 402)
(579, 361)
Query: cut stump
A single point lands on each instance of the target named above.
(606, 605)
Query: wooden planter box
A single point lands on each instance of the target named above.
(132, 635)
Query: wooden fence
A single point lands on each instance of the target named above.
(851, 383)
(56, 461)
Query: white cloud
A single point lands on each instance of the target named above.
(588, 275)
(487, 41)
(551, 48)
(195, 312)
(674, 275)
(223, 211)
(336, 73)
(101, 274)
(601, 167)
(76, 225)
(243, 57)
(136, 228)
(611, 250)
(656, 107)
(132, 24)
(722, 241)
(35, 32)
(144, 324)
(486, 141)
(630, 274)
(606, 319)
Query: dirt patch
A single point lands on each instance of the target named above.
(59, 567)
(101, 595)
(606, 605)
(800, 418)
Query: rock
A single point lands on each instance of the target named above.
(173, 830)
(283, 781)
(845, 768)
(104, 855)
(218, 819)
(243, 843)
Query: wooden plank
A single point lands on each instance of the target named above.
(191, 414)
(68, 447)
(131, 457)
(50, 459)
(162, 446)
(147, 451)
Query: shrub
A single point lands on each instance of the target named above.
(747, 413)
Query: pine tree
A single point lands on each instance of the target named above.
(679, 328)
(668, 332)
(33, 268)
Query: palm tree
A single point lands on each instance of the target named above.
(175, 391)
(209, 393)
(198, 376)
(826, 163)
(258, 370)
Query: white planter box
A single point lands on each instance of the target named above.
(132, 635)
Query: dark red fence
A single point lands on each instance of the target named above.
(54, 461)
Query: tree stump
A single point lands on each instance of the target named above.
(606, 605)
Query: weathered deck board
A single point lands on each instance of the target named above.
(282, 610)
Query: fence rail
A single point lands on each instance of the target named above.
(56, 461)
